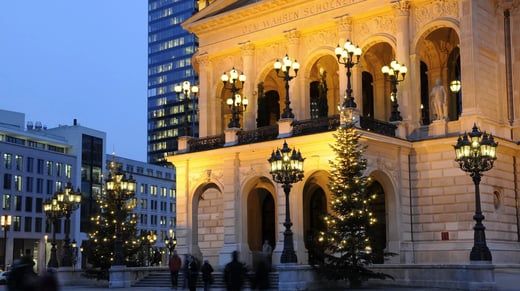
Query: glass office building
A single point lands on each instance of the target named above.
(170, 49)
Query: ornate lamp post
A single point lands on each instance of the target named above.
(236, 103)
(69, 201)
(54, 213)
(286, 169)
(171, 241)
(45, 240)
(187, 89)
(122, 190)
(392, 74)
(286, 66)
(5, 221)
(74, 245)
(476, 152)
(345, 57)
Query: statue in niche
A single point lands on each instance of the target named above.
(438, 98)
(323, 107)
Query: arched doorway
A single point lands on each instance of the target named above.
(268, 108)
(317, 208)
(260, 221)
(368, 94)
(207, 214)
(377, 232)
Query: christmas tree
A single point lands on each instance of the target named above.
(114, 221)
(343, 250)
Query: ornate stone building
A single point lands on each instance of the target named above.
(226, 198)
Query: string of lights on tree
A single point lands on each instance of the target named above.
(344, 247)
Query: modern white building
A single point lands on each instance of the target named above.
(36, 161)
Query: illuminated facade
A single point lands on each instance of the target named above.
(226, 198)
(170, 48)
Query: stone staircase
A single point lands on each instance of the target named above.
(162, 279)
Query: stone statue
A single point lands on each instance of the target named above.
(438, 100)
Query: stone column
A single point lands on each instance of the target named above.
(344, 33)
(249, 116)
(403, 57)
(207, 124)
(295, 92)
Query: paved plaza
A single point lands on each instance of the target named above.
(505, 281)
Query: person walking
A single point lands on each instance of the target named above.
(234, 273)
(175, 265)
(193, 274)
(207, 275)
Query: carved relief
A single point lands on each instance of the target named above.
(247, 49)
(320, 38)
(377, 24)
(345, 24)
(440, 8)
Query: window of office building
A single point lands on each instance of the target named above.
(17, 223)
(7, 161)
(153, 190)
(48, 167)
(172, 193)
(18, 203)
(28, 204)
(30, 165)
(39, 185)
(39, 166)
(39, 205)
(144, 204)
(6, 202)
(50, 185)
(59, 169)
(38, 222)
(28, 224)
(29, 181)
(19, 162)
(59, 186)
(18, 183)
(7, 181)
(68, 171)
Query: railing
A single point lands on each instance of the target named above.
(310, 126)
(300, 127)
(377, 126)
(206, 143)
(257, 135)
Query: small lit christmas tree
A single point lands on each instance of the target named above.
(343, 250)
(115, 219)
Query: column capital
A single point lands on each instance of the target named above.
(293, 36)
(402, 7)
(345, 24)
(247, 49)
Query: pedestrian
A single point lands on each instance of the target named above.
(234, 273)
(49, 281)
(175, 265)
(267, 252)
(22, 276)
(207, 275)
(193, 270)
(186, 270)
(157, 258)
(261, 279)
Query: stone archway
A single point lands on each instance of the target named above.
(378, 231)
(208, 223)
(261, 221)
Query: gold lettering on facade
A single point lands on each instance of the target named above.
(298, 13)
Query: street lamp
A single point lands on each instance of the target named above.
(285, 66)
(69, 201)
(476, 152)
(187, 89)
(122, 190)
(236, 103)
(392, 74)
(171, 241)
(45, 240)
(5, 221)
(74, 245)
(345, 57)
(53, 212)
(286, 169)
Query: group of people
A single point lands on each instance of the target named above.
(190, 271)
(235, 272)
(23, 278)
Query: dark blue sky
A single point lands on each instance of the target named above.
(83, 59)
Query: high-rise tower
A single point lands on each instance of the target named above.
(170, 49)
